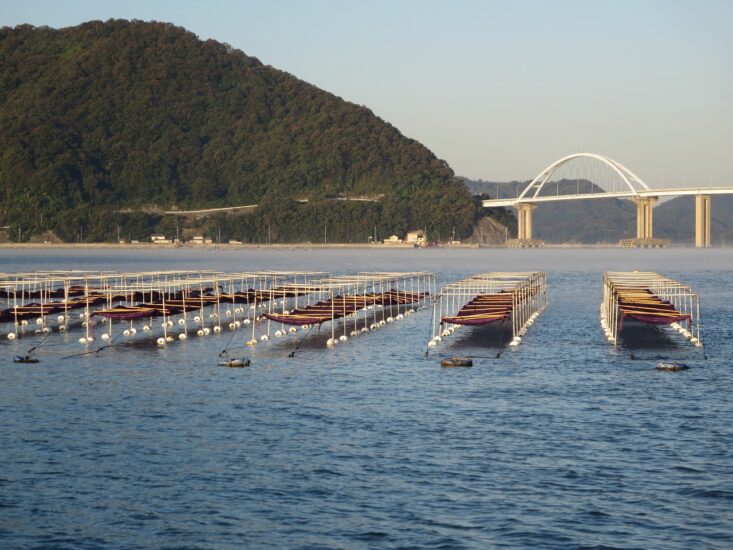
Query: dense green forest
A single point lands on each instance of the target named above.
(106, 125)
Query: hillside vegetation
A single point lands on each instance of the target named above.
(106, 125)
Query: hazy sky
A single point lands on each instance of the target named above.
(498, 89)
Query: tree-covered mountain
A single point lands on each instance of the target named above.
(104, 124)
(609, 220)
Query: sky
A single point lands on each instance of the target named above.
(499, 89)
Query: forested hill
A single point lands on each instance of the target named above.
(124, 116)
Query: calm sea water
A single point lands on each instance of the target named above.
(562, 442)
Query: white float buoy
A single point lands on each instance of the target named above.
(279, 333)
(432, 344)
(169, 338)
(161, 341)
(126, 332)
(133, 331)
(62, 328)
(182, 336)
(11, 336)
(232, 326)
(196, 319)
(245, 322)
(61, 318)
(181, 322)
(354, 333)
(200, 332)
(105, 336)
(264, 337)
(146, 328)
(343, 338)
(82, 340)
(217, 329)
(207, 331)
(293, 330)
(331, 342)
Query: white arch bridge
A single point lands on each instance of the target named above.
(631, 187)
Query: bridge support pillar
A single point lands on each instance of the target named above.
(524, 219)
(702, 221)
(645, 217)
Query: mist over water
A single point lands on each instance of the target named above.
(564, 441)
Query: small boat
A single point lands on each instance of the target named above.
(235, 363)
(456, 362)
(25, 359)
(672, 366)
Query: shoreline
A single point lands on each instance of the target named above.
(293, 246)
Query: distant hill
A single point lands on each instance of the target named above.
(609, 220)
(107, 124)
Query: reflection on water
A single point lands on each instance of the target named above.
(563, 441)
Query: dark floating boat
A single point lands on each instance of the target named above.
(25, 359)
(235, 363)
(456, 362)
(672, 366)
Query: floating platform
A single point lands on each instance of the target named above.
(644, 243)
(651, 299)
(516, 297)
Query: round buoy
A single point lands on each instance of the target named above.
(228, 313)
(432, 344)
(390, 319)
(161, 341)
(24, 322)
(456, 362)
(126, 332)
(446, 332)
(264, 337)
(182, 336)
(62, 328)
(146, 328)
(400, 317)
(200, 332)
(37, 331)
(133, 331)
(84, 323)
(105, 336)
(207, 331)
(364, 329)
(181, 322)
(237, 324)
(354, 333)
(438, 339)
(61, 318)
(82, 340)
(217, 329)
(46, 330)
(343, 338)
(196, 319)
(382, 323)
(374, 326)
(170, 323)
(232, 326)
(279, 333)
(245, 322)
(169, 338)
(11, 336)
(252, 342)
(293, 330)
(331, 342)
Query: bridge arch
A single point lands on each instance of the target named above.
(631, 180)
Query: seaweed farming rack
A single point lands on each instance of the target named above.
(487, 298)
(41, 302)
(171, 305)
(364, 302)
(652, 299)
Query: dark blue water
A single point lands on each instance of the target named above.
(564, 441)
